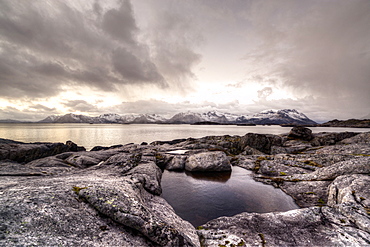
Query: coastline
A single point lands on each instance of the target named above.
(111, 196)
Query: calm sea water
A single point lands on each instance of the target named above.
(200, 197)
(90, 135)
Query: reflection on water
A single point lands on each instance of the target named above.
(199, 198)
(221, 177)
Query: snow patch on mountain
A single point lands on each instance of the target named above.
(286, 116)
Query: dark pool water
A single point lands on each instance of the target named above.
(200, 197)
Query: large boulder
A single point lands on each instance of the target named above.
(208, 161)
(261, 142)
(301, 133)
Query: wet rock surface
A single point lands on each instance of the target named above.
(111, 196)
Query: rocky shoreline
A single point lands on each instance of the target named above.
(59, 194)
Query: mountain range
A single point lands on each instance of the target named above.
(286, 116)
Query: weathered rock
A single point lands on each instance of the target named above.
(324, 139)
(359, 165)
(10, 168)
(307, 193)
(247, 162)
(162, 159)
(128, 204)
(260, 142)
(177, 163)
(123, 161)
(99, 148)
(210, 161)
(173, 142)
(73, 147)
(149, 175)
(301, 133)
(300, 227)
(46, 212)
(117, 202)
(360, 138)
(251, 151)
(352, 188)
(81, 161)
(26, 152)
(280, 168)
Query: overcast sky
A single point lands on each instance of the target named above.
(167, 56)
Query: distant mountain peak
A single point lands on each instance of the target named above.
(284, 116)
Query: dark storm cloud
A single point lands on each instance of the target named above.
(120, 24)
(131, 68)
(47, 45)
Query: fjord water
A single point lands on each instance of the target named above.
(200, 197)
(90, 135)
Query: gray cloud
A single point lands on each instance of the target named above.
(43, 108)
(120, 23)
(131, 68)
(264, 93)
(33, 113)
(47, 46)
(80, 105)
(317, 48)
(174, 36)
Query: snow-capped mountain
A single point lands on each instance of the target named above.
(50, 119)
(105, 118)
(111, 117)
(149, 118)
(211, 116)
(186, 118)
(286, 116)
(71, 118)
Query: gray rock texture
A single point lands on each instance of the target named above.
(177, 163)
(26, 152)
(113, 202)
(60, 195)
(209, 161)
(301, 133)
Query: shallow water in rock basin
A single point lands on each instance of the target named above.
(200, 197)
